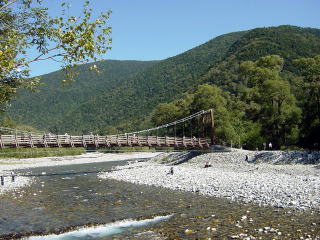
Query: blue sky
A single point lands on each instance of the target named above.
(158, 29)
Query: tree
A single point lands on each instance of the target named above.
(6, 121)
(205, 97)
(274, 105)
(210, 96)
(66, 39)
(169, 112)
(310, 70)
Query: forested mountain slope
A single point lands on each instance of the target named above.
(53, 101)
(265, 90)
(138, 95)
(289, 42)
(130, 96)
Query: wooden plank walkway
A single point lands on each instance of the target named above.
(30, 141)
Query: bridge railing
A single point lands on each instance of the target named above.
(100, 141)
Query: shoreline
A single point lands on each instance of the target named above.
(9, 165)
(95, 157)
(239, 175)
(260, 179)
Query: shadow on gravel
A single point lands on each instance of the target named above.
(180, 158)
(286, 157)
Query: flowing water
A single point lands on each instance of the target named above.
(71, 202)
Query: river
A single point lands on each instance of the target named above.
(63, 199)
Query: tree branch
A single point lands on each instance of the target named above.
(49, 57)
(7, 5)
(42, 54)
(38, 58)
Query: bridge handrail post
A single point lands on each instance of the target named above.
(1, 143)
(31, 141)
(70, 141)
(83, 141)
(127, 139)
(208, 145)
(96, 140)
(45, 141)
(58, 141)
(16, 140)
(118, 141)
(148, 141)
(199, 142)
(107, 141)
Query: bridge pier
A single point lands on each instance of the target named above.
(213, 133)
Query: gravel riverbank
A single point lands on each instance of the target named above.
(10, 165)
(280, 179)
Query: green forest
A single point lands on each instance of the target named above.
(263, 84)
(266, 108)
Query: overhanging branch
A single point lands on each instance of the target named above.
(7, 5)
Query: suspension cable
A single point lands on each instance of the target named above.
(170, 124)
(197, 114)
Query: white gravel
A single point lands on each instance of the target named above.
(230, 176)
(13, 186)
(8, 165)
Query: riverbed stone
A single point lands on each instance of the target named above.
(276, 178)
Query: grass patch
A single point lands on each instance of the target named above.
(165, 159)
(8, 162)
(124, 149)
(39, 152)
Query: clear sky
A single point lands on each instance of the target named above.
(158, 29)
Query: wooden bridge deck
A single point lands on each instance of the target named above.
(30, 141)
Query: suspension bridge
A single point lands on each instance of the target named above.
(143, 138)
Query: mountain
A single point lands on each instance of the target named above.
(289, 42)
(140, 93)
(53, 101)
(264, 90)
(128, 97)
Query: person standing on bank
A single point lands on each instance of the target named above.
(270, 145)
(264, 146)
